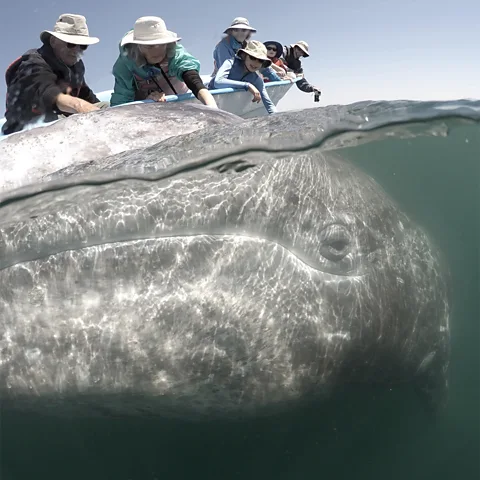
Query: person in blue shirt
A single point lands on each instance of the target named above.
(242, 72)
(237, 35)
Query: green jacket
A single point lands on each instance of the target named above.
(125, 70)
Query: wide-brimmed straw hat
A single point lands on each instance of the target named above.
(278, 46)
(150, 31)
(258, 50)
(303, 46)
(240, 22)
(70, 28)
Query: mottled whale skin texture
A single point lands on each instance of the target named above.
(26, 157)
(218, 294)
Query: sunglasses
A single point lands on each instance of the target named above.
(73, 45)
(254, 59)
(274, 49)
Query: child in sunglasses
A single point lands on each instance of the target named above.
(274, 52)
(242, 72)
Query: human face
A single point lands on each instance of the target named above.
(154, 53)
(68, 53)
(298, 52)
(252, 64)
(272, 51)
(240, 34)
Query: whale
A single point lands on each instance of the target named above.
(27, 156)
(219, 291)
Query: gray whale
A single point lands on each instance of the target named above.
(26, 157)
(217, 293)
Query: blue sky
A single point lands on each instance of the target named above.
(375, 49)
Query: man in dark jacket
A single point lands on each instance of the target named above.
(49, 81)
(291, 58)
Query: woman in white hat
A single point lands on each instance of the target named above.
(237, 35)
(153, 64)
(242, 72)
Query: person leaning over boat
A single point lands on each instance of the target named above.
(50, 80)
(291, 58)
(152, 64)
(242, 72)
(236, 36)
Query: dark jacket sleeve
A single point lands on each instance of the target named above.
(304, 86)
(295, 65)
(298, 70)
(193, 81)
(87, 94)
(35, 85)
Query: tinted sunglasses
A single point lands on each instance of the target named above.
(73, 45)
(254, 59)
(274, 49)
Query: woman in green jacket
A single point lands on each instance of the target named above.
(152, 64)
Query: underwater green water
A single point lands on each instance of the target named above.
(437, 182)
(372, 434)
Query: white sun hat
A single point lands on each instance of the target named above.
(150, 31)
(258, 50)
(240, 22)
(303, 46)
(70, 28)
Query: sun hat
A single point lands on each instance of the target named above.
(278, 45)
(258, 50)
(150, 31)
(303, 46)
(70, 28)
(240, 22)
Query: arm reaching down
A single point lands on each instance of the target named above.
(194, 82)
(267, 102)
(304, 86)
(69, 104)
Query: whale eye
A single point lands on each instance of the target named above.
(335, 242)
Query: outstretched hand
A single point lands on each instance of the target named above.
(157, 96)
(256, 94)
(66, 103)
(83, 106)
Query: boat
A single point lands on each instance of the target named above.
(231, 100)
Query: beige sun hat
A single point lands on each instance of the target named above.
(150, 31)
(303, 46)
(258, 50)
(240, 22)
(70, 28)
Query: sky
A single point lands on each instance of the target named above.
(370, 50)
